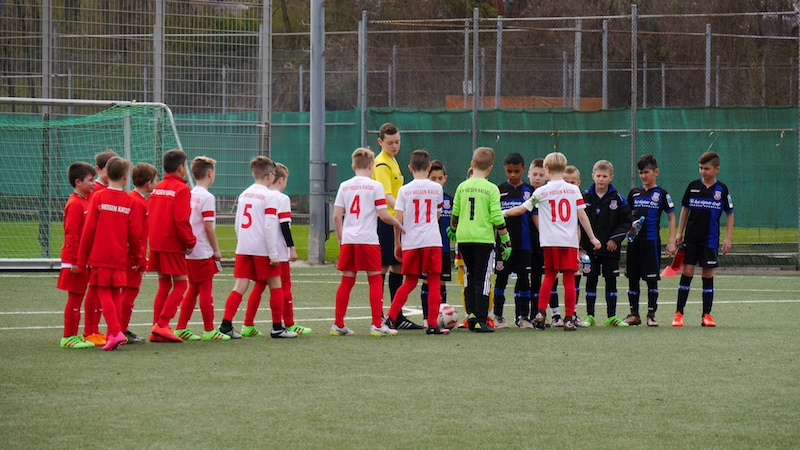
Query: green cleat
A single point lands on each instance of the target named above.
(615, 321)
(250, 331)
(75, 342)
(215, 335)
(300, 330)
(589, 321)
(187, 335)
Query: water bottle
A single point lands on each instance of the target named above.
(585, 258)
(637, 226)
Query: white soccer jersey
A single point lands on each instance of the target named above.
(361, 198)
(421, 202)
(256, 222)
(284, 216)
(558, 203)
(203, 209)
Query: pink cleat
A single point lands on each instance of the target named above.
(113, 342)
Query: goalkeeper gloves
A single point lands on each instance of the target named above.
(451, 233)
(505, 247)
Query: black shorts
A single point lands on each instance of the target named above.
(447, 268)
(519, 263)
(698, 255)
(537, 261)
(608, 266)
(386, 239)
(643, 260)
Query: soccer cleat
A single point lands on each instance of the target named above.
(300, 330)
(132, 338)
(615, 321)
(708, 321)
(215, 335)
(464, 324)
(402, 323)
(283, 333)
(651, 320)
(187, 335)
(75, 342)
(250, 331)
(233, 334)
(382, 331)
(579, 323)
(163, 334)
(115, 341)
(482, 327)
(436, 330)
(590, 320)
(471, 322)
(490, 322)
(524, 323)
(540, 320)
(678, 320)
(343, 331)
(499, 323)
(557, 321)
(98, 339)
(633, 320)
(569, 324)
(389, 322)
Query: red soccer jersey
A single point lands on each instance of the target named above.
(75, 212)
(140, 210)
(110, 231)
(169, 208)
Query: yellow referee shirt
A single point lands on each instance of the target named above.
(387, 172)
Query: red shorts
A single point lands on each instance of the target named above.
(560, 258)
(106, 277)
(168, 263)
(422, 261)
(73, 282)
(201, 269)
(256, 268)
(355, 257)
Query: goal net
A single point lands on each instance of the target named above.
(37, 146)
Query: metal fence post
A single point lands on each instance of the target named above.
(465, 83)
(708, 64)
(576, 89)
(716, 85)
(498, 61)
(483, 78)
(301, 106)
(362, 75)
(644, 80)
(663, 85)
(634, 86)
(158, 53)
(393, 76)
(317, 209)
(475, 76)
(266, 81)
(605, 64)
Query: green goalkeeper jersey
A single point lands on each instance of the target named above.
(477, 206)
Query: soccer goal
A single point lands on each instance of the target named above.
(39, 139)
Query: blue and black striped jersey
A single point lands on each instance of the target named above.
(706, 205)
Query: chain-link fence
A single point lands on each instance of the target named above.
(590, 86)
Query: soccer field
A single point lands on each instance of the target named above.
(734, 386)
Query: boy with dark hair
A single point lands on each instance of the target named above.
(476, 217)
(143, 177)
(70, 278)
(513, 192)
(203, 261)
(420, 248)
(92, 308)
(701, 208)
(171, 239)
(111, 230)
(644, 253)
(438, 175)
(360, 201)
(610, 216)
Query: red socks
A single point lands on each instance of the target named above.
(276, 306)
(109, 297)
(164, 286)
(187, 305)
(172, 303)
(570, 296)
(343, 298)
(544, 291)
(375, 298)
(232, 305)
(434, 299)
(129, 295)
(401, 296)
(72, 314)
(253, 302)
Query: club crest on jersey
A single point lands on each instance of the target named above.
(717, 195)
(587, 268)
(446, 204)
(656, 197)
(613, 205)
(526, 195)
(499, 265)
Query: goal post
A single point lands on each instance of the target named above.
(39, 139)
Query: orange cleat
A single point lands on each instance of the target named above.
(464, 324)
(98, 339)
(490, 322)
(163, 334)
(678, 320)
(708, 321)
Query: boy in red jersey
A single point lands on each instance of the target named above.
(70, 279)
(363, 199)
(286, 250)
(171, 238)
(417, 207)
(111, 230)
(143, 176)
(92, 308)
(203, 261)
(257, 255)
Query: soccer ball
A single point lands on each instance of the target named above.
(448, 317)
